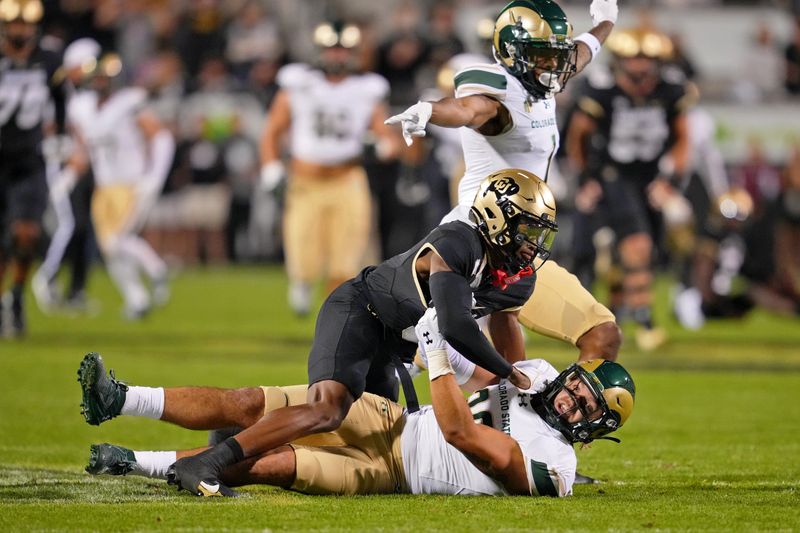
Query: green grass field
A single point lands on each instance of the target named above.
(712, 444)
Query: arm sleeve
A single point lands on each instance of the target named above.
(452, 298)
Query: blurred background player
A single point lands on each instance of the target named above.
(327, 111)
(27, 87)
(70, 197)
(131, 153)
(506, 112)
(629, 140)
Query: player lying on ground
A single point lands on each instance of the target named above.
(521, 445)
(361, 341)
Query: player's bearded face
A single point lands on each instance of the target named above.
(18, 34)
(101, 84)
(337, 59)
(576, 402)
(640, 75)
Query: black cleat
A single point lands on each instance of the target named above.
(103, 395)
(581, 479)
(110, 459)
(198, 477)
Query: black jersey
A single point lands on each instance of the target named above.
(26, 90)
(400, 297)
(633, 133)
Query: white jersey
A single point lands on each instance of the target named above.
(329, 120)
(530, 143)
(432, 466)
(117, 147)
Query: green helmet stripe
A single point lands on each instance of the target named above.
(542, 480)
(481, 77)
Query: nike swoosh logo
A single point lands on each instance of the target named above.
(208, 489)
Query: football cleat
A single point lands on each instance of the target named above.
(194, 475)
(103, 395)
(581, 479)
(650, 339)
(300, 298)
(17, 325)
(45, 293)
(110, 459)
(161, 291)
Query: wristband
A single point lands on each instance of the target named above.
(591, 41)
(438, 364)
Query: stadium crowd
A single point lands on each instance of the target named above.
(211, 72)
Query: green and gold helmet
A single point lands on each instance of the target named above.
(613, 389)
(533, 41)
(513, 206)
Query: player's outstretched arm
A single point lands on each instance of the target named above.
(494, 453)
(471, 111)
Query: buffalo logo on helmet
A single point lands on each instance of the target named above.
(512, 207)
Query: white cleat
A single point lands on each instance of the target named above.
(688, 309)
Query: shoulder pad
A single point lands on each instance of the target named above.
(131, 97)
(295, 75)
(485, 79)
(374, 85)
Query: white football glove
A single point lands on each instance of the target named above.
(57, 148)
(433, 345)
(413, 120)
(603, 10)
(272, 175)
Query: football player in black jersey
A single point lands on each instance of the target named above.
(27, 86)
(364, 330)
(629, 140)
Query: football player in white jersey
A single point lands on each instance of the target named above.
(326, 113)
(503, 441)
(506, 114)
(70, 226)
(131, 153)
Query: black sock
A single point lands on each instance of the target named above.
(643, 316)
(224, 454)
(235, 448)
